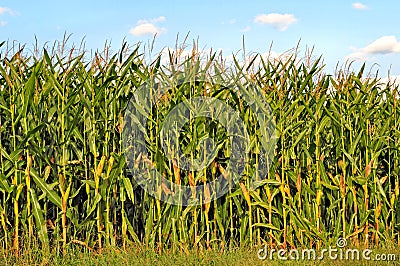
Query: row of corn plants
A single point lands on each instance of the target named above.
(63, 174)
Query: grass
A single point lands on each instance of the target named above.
(135, 255)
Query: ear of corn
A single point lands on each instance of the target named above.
(63, 177)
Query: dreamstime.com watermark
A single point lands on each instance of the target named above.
(339, 252)
(145, 161)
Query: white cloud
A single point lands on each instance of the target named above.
(358, 56)
(159, 19)
(145, 27)
(153, 20)
(395, 80)
(4, 10)
(229, 22)
(359, 6)
(246, 29)
(382, 45)
(278, 21)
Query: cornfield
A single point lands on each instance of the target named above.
(64, 179)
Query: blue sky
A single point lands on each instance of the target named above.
(338, 30)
